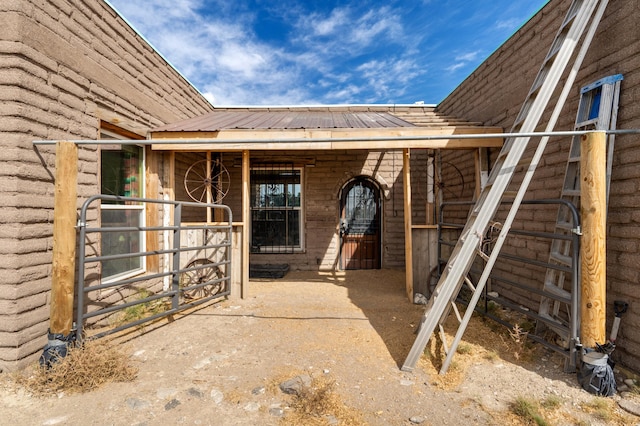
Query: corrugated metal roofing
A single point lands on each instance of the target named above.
(289, 119)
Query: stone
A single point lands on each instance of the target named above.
(630, 406)
(416, 420)
(420, 299)
(216, 396)
(252, 407)
(136, 404)
(195, 392)
(276, 411)
(171, 404)
(164, 393)
(296, 385)
(259, 390)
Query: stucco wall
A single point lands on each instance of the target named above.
(64, 66)
(493, 95)
(322, 184)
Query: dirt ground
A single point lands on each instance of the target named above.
(222, 364)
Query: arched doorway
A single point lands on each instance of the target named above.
(360, 225)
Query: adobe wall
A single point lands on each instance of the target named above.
(64, 66)
(322, 185)
(493, 95)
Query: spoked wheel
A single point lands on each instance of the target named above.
(447, 183)
(207, 181)
(201, 274)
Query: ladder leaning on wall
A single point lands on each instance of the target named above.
(508, 161)
(597, 110)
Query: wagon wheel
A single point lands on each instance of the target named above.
(200, 275)
(207, 181)
(447, 184)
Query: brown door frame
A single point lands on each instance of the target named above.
(364, 243)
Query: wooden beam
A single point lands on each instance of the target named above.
(408, 243)
(593, 210)
(64, 238)
(246, 223)
(302, 139)
(152, 190)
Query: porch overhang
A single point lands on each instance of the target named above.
(432, 137)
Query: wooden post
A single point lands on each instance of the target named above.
(408, 243)
(593, 211)
(246, 223)
(64, 238)
(152, 190)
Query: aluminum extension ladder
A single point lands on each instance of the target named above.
(470, 243)
(597, 110)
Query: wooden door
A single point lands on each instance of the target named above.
(360, 225)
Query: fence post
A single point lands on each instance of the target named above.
(593, 211)
(175, 276)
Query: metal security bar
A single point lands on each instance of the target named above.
(570, 324)
(188, 275)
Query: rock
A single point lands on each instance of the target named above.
(630, 406)
(171, 404)
(416, 420)
(331, 420)
(252, 407)
(195, 392)
(259, 390)
(216, 396)
(276, 411)
(296, 385)
(420, 299)
(56, 421)
(630, 382)
(137, 404)
(407, 382)
(165, 393)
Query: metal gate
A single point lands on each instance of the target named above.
(193, 265)
(448, 234)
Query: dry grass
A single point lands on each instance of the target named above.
(319, 404)
(83, 369)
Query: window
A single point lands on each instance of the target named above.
(276, 209)
(121, 174)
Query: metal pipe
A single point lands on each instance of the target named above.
(365, 139)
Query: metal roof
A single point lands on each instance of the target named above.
(283, 120)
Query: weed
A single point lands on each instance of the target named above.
(84, 368)
(528, 410)
(551, 402)
(519, 336)
(464, 348)
(602, 408)
(491, 355)
(142, 309)
(318, 404)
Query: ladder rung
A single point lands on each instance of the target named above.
(573, 159)
(567, 192)
(581, 125)
(560, 329)
(561, 258)
(559, 294)
(482, 255)
(561, 224)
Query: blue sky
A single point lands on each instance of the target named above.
(290, 52)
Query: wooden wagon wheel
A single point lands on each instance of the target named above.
(201, 271)
(207, 181)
